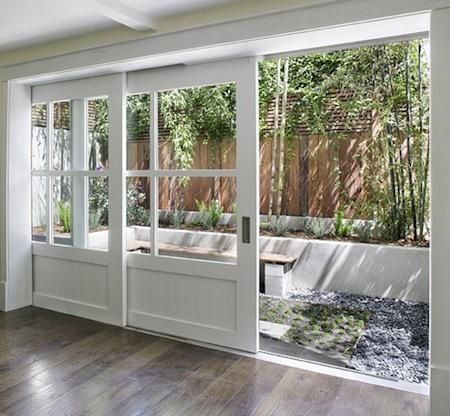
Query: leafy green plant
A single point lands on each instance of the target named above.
(95, 220)
(209, 213)
(98, 202)
(279, 227)
(316, 227)
(177, 218)
(363, 231)
(65, 216)
(137, 213)
(342, 228)
(264, 225)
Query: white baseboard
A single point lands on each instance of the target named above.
(2, 296)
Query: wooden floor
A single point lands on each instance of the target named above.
(55, 364)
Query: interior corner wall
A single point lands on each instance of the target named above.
(3, 147)
(15, 192)
(440, 226)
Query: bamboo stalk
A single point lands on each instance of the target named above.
(274, 142)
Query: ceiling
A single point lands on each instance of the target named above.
(25, 23)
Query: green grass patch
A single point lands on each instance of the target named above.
(322, 328)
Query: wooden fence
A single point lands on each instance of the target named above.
(322, 173)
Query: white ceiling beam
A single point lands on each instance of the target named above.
(123, 14)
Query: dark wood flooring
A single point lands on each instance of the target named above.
(55, 364)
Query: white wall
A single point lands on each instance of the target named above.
(15, 225)
(3, 135)
(440, 219)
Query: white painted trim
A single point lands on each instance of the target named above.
(123, 14)
(87, 88)
(183, 266)
(2, 296)
(440, 202)
(81, 255)
(193, 173)
(247, 37)
(76, 173)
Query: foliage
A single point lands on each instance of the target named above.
(364, 231)
(207, 114)
(279, 227)
(342, 228)
(177, 218)
(98, 136)
(209, 213)
(65, 216)
(137, 213)
(138, 116)
(98, 202)
(391, 83)
(316, 227)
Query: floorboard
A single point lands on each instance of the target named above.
(56, 364)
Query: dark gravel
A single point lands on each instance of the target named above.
(395, 341)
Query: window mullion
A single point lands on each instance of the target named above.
(154, 203)
(79, 192)
(48, 178)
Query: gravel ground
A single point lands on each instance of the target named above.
(395, 341)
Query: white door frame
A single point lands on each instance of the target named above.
(240, 317)
(166, 46)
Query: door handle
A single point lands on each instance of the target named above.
(246, 230)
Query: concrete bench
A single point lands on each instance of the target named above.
(276, 273)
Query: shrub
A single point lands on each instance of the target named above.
(316, 227)
(137, 213)
(177, 218)
(363, 231)
(95, 220)
(342, 228)
(279, 228)
(209, 213)
(65, 216)
(98, 202)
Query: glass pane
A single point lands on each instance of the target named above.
(138, 132)
(39, 135)
(39, 208)
(62, 140)
(62, 210)
(98, 134)
(197, 128)
(138, 214)
(98, 212)
(197, 218)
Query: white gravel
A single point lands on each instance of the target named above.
(395, 342)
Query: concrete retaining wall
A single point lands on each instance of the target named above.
(366, 269)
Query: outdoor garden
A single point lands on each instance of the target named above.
(344, 194)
